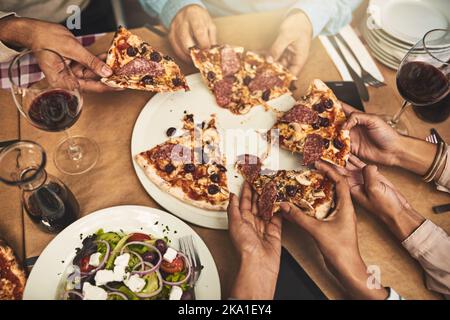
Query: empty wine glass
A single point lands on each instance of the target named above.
(52, 103)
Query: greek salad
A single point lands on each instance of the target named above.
(128, 266)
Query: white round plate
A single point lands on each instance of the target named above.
(46, 278)
(409, 20)
(166, 110)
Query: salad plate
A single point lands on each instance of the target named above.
(49, 277)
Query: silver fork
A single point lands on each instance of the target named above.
(365, 75)
(187, 246)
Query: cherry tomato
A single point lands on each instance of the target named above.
(139, 237)
(177, 265)
(85, 266)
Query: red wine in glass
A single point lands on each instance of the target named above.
(54, 110)
(427, 88)
(52, 207)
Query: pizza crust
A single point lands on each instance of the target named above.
(151, 173)
(10, 290)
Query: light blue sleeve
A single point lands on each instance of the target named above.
(328, 16)
(166, 10)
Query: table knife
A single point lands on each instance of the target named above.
(362, 90)
(442, 208)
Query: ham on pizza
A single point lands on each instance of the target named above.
(313, 127)
(190, 167)
(240, 80)
(137, 65)
(307, 189)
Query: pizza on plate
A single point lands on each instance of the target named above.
(190, 166)
(307, 189)
(241, 79)
(12, 276)
(137, 65)
(313, 127)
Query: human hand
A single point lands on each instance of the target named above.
(336, 237)
(35, 35)
(191, 26)
(291, 47)
(378, 195)
(371, 137)
(258, 243)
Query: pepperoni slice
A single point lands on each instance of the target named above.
(265, 80)
(301, 114)
(163, 152)
(230, 61)
(267, 200)
(249, 166)
(313, 148)
(222, 91)
(141, 66)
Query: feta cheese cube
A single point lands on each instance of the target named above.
(103, 277)
(175, 293)
(119, 273)
(94, 259)
(170, 255)
(91, 292)
(122, 260)
(135, 283)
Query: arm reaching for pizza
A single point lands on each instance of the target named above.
(292, 44)
(258, 243)
(424, 240)
(192, 26)
(343, 260)
(373, 139)
(35, 34)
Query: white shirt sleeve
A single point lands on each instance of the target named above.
(328, 16)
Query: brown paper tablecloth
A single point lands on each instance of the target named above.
(109, 120)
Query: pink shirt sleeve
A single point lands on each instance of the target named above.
(443, 182)
(430, 245)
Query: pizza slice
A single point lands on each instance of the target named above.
(307, 189)
(12, 276)
(240, 80)
(313, 127)
(190, 166)
(137, 65)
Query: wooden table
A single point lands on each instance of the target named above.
(109, 119)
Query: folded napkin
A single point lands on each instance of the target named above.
(360, 51)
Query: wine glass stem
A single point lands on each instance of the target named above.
(395, 119)
(74, 150)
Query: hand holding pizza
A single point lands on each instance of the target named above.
(35, 34)
(340, 251)
(191, 26)
(291, 47)
(258, 243)
(372, 138)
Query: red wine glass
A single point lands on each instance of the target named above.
(53, 103)
(423, 79)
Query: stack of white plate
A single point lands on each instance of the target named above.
(392, 27)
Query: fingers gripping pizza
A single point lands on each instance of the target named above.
(191, 166)
(313, 127)
(240, 80)
(307, 189)
(137, 65)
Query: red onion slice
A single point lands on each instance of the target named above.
(154, 293)
(117, 293)
(105, 258)
(189, 271)
(148, 245)
(67, 293)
